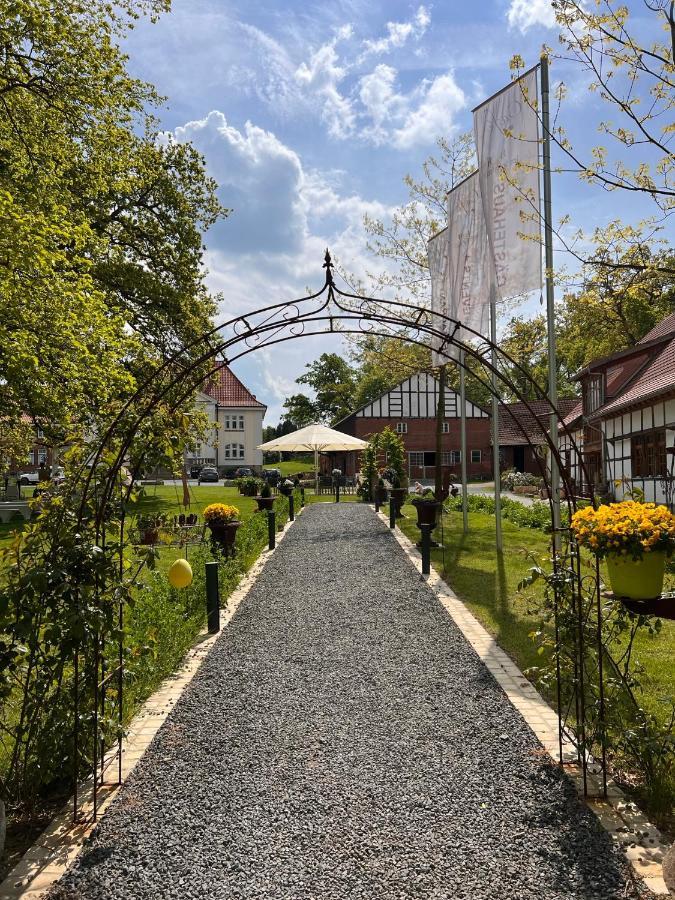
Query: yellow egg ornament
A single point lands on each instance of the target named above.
(180, 574)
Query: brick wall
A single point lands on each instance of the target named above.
(421, 437)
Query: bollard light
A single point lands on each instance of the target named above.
(212, 598)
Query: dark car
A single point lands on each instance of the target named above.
(272, 476)
(208, 473)
(194, 471)
(243, 472)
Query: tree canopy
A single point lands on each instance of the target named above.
(101, 217)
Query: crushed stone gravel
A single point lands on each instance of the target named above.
(342, 740)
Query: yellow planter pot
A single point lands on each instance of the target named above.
(638, 579)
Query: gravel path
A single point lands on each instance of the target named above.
(342, 740)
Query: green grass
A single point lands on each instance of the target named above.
(300, 462)
(487, 582)
(166, 500)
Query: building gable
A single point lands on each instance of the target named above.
(417, 398)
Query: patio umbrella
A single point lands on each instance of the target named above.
(316, 438)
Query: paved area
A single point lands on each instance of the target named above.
(343, 740)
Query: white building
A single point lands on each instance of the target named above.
(237, 422)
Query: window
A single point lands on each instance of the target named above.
(446, 427)
(451, 458)
(416, 459)
(42, 457)
(233, 451)
(40, 433)
(401, 428)
(648, 454)
(476, 456)
(233, 423)
(593, 393)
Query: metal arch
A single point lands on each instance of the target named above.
(316, 314)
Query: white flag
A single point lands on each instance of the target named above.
(468, 271)
(458, 258)
(506, 129)
(437, 253)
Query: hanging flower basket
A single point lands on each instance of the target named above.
(634, 538)
(637, 579)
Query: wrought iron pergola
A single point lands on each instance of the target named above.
(331, 310)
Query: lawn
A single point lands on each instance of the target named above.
(167, 500)
(487, 582)
(300, 462)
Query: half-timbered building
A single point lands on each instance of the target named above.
(625, 420)
(410, 410)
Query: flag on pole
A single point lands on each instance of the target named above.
(458, 265)
(467, 256)
(437, 254)
(506, 129)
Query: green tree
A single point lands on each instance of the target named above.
(333, 381)
(100, 220)
(300, 410)
(627, 287)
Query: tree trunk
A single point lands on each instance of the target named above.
(440, 418)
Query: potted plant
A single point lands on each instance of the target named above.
(286, 487)
(223, 521)
(264, 499)
(397, 493)
(250, 486)
(148, 529)
(380, 491)
(427, 507)
(634, 538)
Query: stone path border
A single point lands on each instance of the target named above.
(56, 848)
(641, 841)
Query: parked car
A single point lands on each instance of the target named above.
(29, 478)
(243, 472)
(206, 474)
(194, 471)
(58, 475)
(272, 476)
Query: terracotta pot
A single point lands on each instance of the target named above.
(427, 512)
(637, 579)
(265, 503)
(397, 496)
(225, 536)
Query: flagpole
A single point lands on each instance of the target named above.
(550, 297)
(462, 401)
(495, 416)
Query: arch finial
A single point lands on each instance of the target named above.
(328, 266)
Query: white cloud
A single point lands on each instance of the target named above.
(435, 115)
(271, 247)
(524, 14)
(322, 74)
(398, 33)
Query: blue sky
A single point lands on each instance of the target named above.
(309, 114)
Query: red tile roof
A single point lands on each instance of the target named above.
(657, 378)
(226, 389)
(514, 418)
(662, 329)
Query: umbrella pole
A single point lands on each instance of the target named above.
(316, 471)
